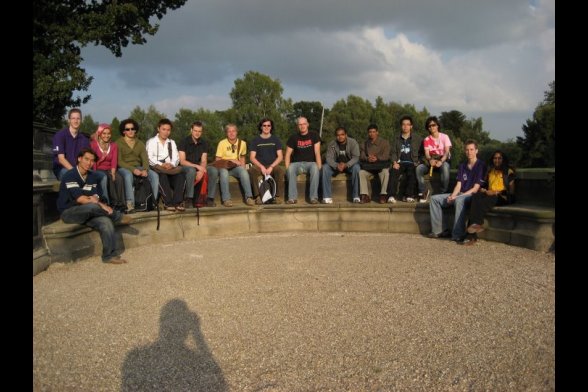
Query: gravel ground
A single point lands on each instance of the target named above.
(299, 312)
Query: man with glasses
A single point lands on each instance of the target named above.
(303, 155)
(437, 153)
(265, 153)
(67, 143)
(133, 161)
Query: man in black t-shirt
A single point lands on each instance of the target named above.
(303, 155)
(265, 154)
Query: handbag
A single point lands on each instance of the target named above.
(160, 169)
(225, 163)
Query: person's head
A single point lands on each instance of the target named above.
(432, 124)
(231, 131)
(104, 132)
(266, 125)
(373, 132)
(341, 135)
(164, 128)
(498, 160)
(129, 128)
(196, 129)
(86, 158)
(406, 124)
(302, 123)
(74, 118)
(471, 149)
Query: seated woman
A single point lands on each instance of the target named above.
(111, 182)
(500, 191)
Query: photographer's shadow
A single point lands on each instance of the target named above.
(169, 364)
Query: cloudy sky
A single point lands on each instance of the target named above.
(489, 58)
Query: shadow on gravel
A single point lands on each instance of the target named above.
(174, 362)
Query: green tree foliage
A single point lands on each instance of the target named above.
(383, 117)
(212, 125)
(147, 121)
(115, 124)
(538, 142)
(312, 110)
(510, 148)
(354, 114)
(452, 121)
(88, 125)
(62, 28)
(256, 96)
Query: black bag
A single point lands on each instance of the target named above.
(143, 194)
(267, 189)
(375, 166)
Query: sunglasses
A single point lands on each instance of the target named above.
(130, 129)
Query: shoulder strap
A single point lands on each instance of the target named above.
(238, 148)
(169, 151)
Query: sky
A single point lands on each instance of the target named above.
(485, 58)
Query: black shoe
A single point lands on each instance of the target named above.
(210, 202)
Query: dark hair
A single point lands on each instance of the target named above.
(432, 119)
(342, 129)
(74, 110)
(372, 126)
(123, 124)
(265, 119)
(87, 150)
(164, 121)
(471, 141)
(196, 124)
(406, 117)
(505, 163)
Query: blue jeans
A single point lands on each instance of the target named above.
(296, 168)
(241, 174)
(212, 180)
(327, 173)
(190, 173)
(127, 175)
(423, 169)
(438, 224)
(103, 183)
(59, 172)
(94, 216)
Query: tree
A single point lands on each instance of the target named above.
(62, 28)
(313, 112)
(453, 121)
(354, 114)
(256, 96)
(538, 143)
(88, 125)
(115, 124)
(147, 122)
(212, 125)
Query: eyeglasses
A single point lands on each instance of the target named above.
(432, 125)
(130, 129)
(266, 125)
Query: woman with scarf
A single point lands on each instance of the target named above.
(105, 166)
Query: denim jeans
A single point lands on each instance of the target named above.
(327, 173)
(127, 175)
(190, 173)
(439, 224)
(241, 174)
(94, 216)
(103, 183)
(59, 173)
(423, 169)
(212, 180)
(296, 168)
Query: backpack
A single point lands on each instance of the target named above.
(267, 189)
(143, 194)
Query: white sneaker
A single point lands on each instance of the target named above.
(328, 200)
(356, 200)
(391, 199)
(410, 200)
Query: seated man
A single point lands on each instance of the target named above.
(234, 150)
(265, 153)
(470, 177)
(405, 158)
(79, 201)
(67, 143)
(374, 159)
(303, 155)
(342, 157)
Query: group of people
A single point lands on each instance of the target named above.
(97, 175)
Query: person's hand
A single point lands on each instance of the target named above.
(167, 165)
(341, 167)
(94, 199)
(143, 173)
(106, 208)
(396, 165)
(372, 158)
(113, 176)
(451, 198)
(138, 172)
(439, 163)
(236, 161)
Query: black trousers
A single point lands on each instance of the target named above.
(406, 187)
(481, 203)
(171, 188)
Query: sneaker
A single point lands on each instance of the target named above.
(391, 199)
(328, 200)
(314, 201)
(292, 201)
(382, 199)
(356, 200)
(228, 203)
(180, 207)
(258, 201)
(250, 201)
(130, 207)
(423, 197)
(278, 200)
(475, 228)
(409, 200)
(210, 202)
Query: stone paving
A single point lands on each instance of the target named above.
(299, 312)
